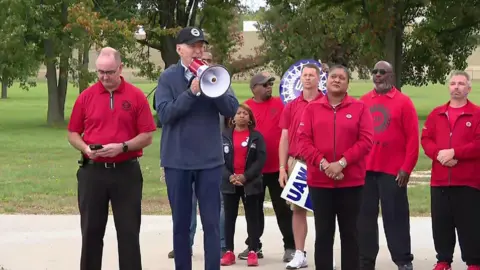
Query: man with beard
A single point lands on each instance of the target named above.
(267, 111)
(396, 140)
(289, 154)
(451, 138)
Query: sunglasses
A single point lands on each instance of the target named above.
(379, 71)
(267, 84)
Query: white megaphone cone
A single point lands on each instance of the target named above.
(214, 80)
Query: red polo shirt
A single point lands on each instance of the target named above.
(290, 120)
(395, 141)
(103, 117)
(267, 115)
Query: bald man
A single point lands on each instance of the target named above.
(393, 157)
(111, 123)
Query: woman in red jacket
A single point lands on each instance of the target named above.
(335, 135)
(244, 153)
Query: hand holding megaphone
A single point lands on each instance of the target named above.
(213, 81)
(195, 86)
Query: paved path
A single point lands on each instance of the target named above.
(53, 243)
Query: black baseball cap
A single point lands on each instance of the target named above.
(261, 78)
(190, 35)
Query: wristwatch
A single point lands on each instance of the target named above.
(321, 164)
(342, 163)
(124, 147)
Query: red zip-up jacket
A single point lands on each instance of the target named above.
(464, 138)
(332, 133)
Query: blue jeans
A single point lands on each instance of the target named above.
(193, 224)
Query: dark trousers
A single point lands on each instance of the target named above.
(282, 210)
(122, 186)
(456, 208)
(344, 205)
(381, 187)
(180, 191)
(252, 207)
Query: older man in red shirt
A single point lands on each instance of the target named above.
(111, 123)
(389, 164)
(451, 138)
(267, 110)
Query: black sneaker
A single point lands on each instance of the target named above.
(171, 254)
(407, 266)
(244, 254)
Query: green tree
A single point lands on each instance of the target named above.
(294, 30)
(424, 40)
(18, 59)
(74, 24)
(219, 19)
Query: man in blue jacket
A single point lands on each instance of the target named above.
(191, 149)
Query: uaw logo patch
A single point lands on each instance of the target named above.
(290, 84)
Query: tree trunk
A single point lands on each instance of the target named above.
(84, 59)
(4, 90)
(57, 92)
(168, 51)
(393, 44)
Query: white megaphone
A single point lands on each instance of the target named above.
(214, 80)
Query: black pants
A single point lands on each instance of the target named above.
(282, 210)
(456, 208)
(344, 205)
(122, 186)
(252, 205)
(381, 187)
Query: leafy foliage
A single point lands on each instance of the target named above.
(295, 30)
(424, 40)
(18, 58)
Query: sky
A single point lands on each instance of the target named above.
(253, 4)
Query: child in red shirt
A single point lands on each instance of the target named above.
(245, 154)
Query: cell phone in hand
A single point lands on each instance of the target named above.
(95, 146)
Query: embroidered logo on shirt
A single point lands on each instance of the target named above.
(126, 105)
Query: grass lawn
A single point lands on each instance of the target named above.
(37, 165)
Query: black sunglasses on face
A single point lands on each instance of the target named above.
(380, 71)
(267, 84)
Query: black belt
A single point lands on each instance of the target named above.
(110, 165)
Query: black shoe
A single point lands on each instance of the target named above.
(407, 266)
(171, 254)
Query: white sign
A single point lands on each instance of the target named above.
(296, 189)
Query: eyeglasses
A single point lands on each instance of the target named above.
(379, 71)
(107, 72)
